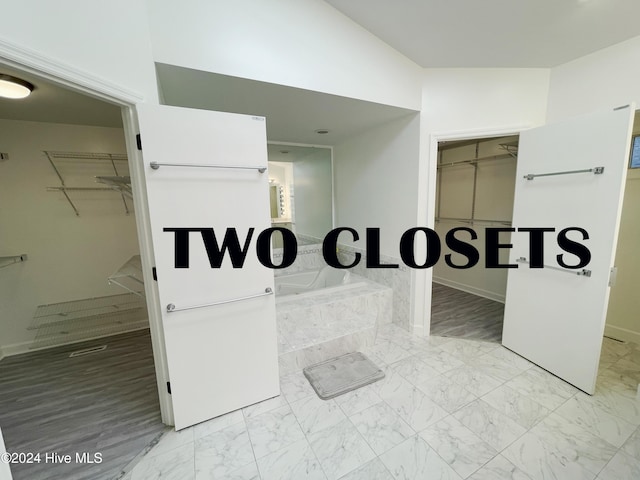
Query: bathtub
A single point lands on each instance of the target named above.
(310, 281)
(323, 315)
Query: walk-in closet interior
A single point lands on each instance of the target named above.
(623, 321)
(76, 365)
(474, 189)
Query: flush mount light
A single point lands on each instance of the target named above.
(12, 87)
(284, 151)
(322, 131)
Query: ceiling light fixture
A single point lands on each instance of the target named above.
(322, 131)
(12, 87)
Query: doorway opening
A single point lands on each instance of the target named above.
(77, 369)
(622, 329)
(475, 184)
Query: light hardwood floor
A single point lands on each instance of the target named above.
(105, 402)
(455, 313)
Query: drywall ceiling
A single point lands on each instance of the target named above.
(278, 152)
(495, 33)
(53, 104)
(293, 114)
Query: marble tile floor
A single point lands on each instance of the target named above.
(447, 409)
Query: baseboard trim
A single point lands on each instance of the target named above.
(623, 334)
(470, 289)
(419, 331)
(23, 347)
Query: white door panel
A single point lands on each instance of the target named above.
(220, 357)
(553, 316)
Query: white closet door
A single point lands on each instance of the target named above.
(554, 317)
(221, 357)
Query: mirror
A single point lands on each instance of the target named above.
(276, 197)
(301, 190)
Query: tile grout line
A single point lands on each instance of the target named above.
(253, 451)
(315, 455)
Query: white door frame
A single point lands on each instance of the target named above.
(55, 72)
(427, 174)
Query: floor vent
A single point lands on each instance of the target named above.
(88, 351)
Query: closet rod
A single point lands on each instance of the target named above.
(472, 220)
(87, 156)
(473, 161)
(581, 273)
(10, 260)
(156, 166)
(79, 189)
(594, 170)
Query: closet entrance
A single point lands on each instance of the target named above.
(475, 189)
(622, 323)
(77, 373)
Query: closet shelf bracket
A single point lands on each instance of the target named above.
(511, 148)
(129, 276)
(117, 183)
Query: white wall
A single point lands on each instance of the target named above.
(495, 187)
(474, 99)
(69, 257)
(300, 43)
(605, 79)
(312, 191)
(376, 184)
(108, 40)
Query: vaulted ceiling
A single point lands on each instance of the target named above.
(495, 33)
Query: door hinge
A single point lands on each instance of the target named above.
(613, 274)
(169, 388)
(154, 272)
(139, 141)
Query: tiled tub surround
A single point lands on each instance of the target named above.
(309, 258)
(322, 324)
(398, 279)
(448, 408)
